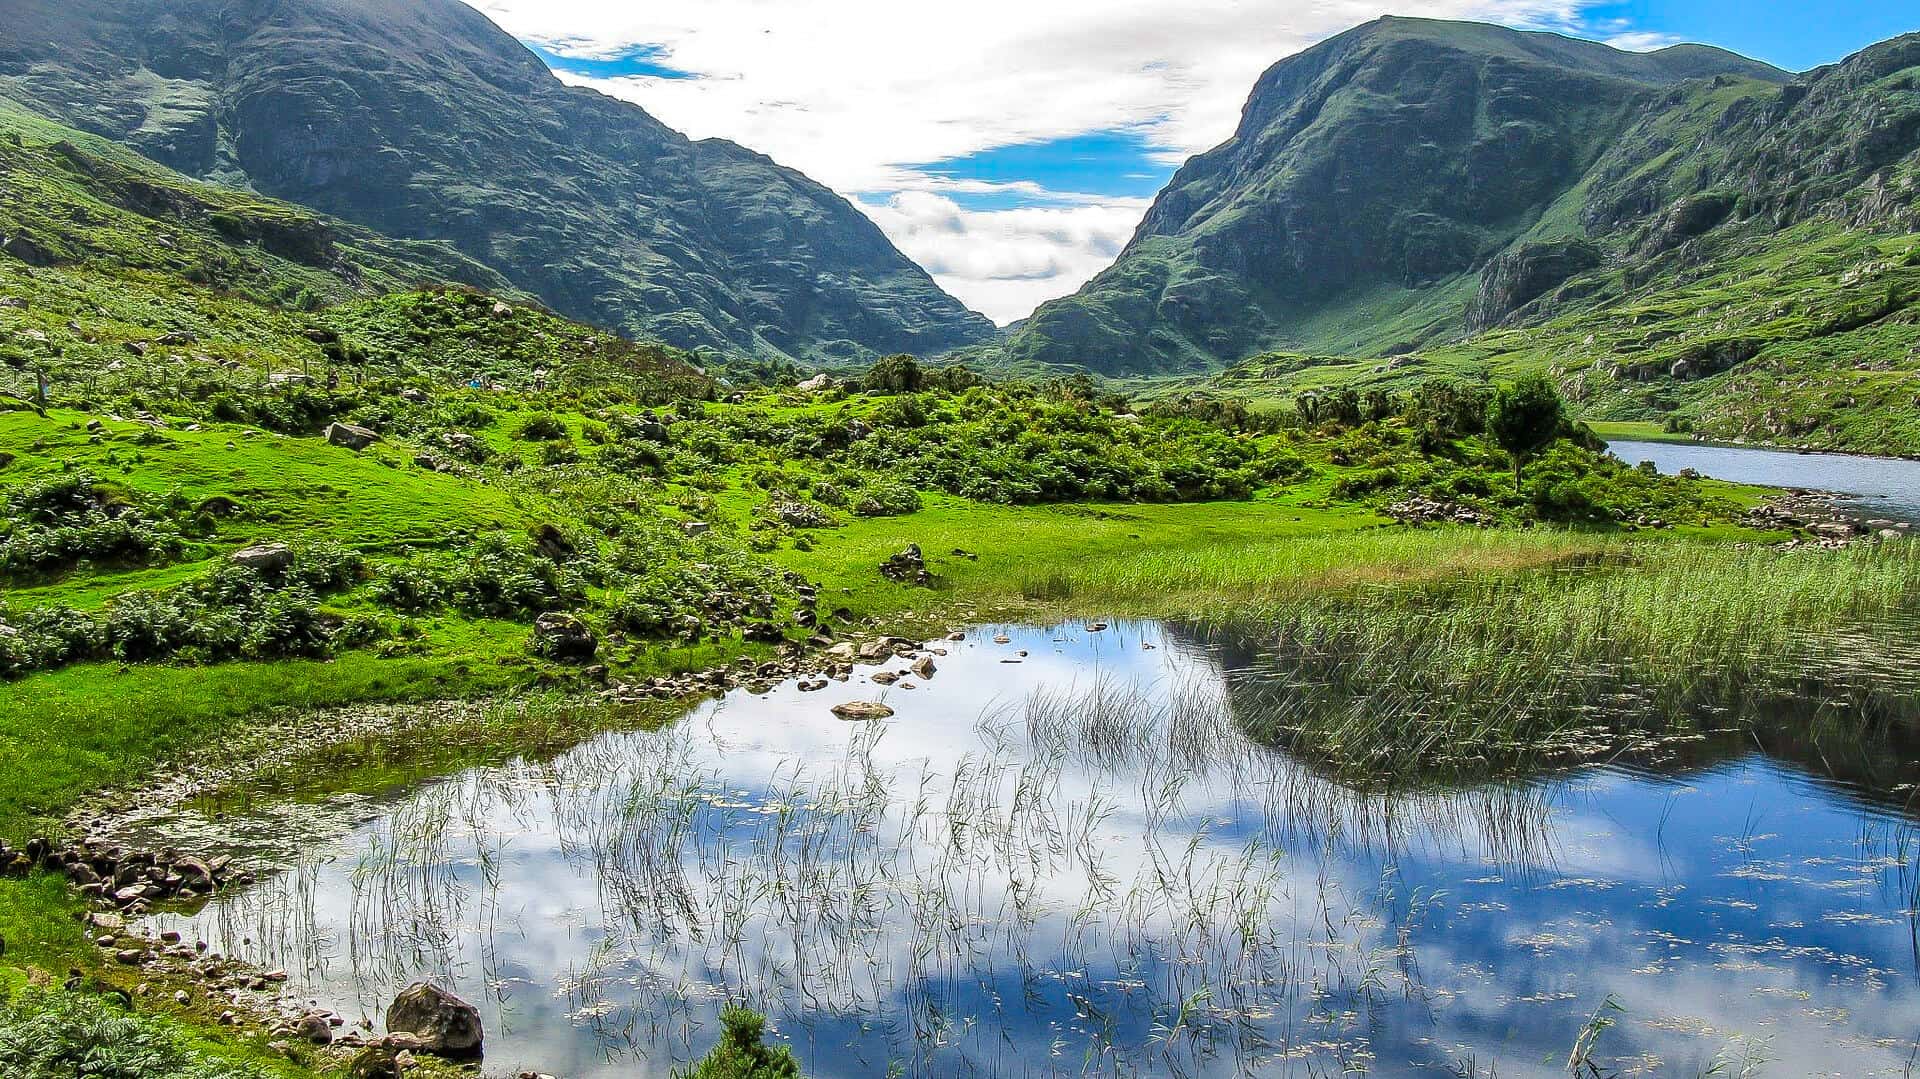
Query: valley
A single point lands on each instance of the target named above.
(1393, 620)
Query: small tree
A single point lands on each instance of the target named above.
(1525, 418)
(894, 374)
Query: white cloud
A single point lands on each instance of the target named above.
(1007, 262)
(856, 92)
(1642, 41)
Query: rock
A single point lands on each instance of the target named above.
(816, 384)
(909, 567)
(378, 1062)
(264, 557)
(446, 1025)
(858, 711)
(352, 437)
(802, 515)
(129, 957)
(1514, 279)
(695, 528)
(564, 638)
(885, 678)
(923, 667)
(314, 1028)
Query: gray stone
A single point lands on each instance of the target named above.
(352, 437)
(446, 1025)
(265, 557)
(564, 638)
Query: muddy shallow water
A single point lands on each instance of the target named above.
(1070, 862)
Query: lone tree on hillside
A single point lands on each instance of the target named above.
(1525, 418)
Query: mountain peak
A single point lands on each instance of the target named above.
(1373, 173)
(422, 119)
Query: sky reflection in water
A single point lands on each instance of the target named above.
(1074, 865)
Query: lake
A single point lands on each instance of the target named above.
(1881, 487)
(1061, 857)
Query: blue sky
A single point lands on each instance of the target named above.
(1011, 147)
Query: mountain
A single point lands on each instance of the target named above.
(423, 120)
(1371, 180)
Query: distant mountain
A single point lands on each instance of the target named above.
(423, 120)
(1372, 180)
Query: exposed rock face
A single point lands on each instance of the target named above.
(446, 1025)
(422, 119)
(1526, 273)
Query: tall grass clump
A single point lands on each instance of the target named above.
(1395, 679)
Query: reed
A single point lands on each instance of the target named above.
(1479, 669)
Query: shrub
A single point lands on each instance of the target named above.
(540, 427)
(55, 523)
(887, 500)
(743, 1052)
(59, 1035)
(505, 578)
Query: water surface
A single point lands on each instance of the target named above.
(1070, 863)
(1884, 487)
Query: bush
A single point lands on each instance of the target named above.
(57, 1035)
(887, 500)
(51, 525)
(505, 578)
(743, 1052)
(540, 427)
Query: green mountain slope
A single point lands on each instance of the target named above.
(121, 278)
(1743, 263)
(421, 119)
(1372, 176)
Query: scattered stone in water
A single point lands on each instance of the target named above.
(1096, 627)
(923, 667)
(885, 678)
(1001, 638)
(862, 710)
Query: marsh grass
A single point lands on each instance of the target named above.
(1479, 672)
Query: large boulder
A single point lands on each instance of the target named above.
(351, 436)
(564, 638)
(446, 1025)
